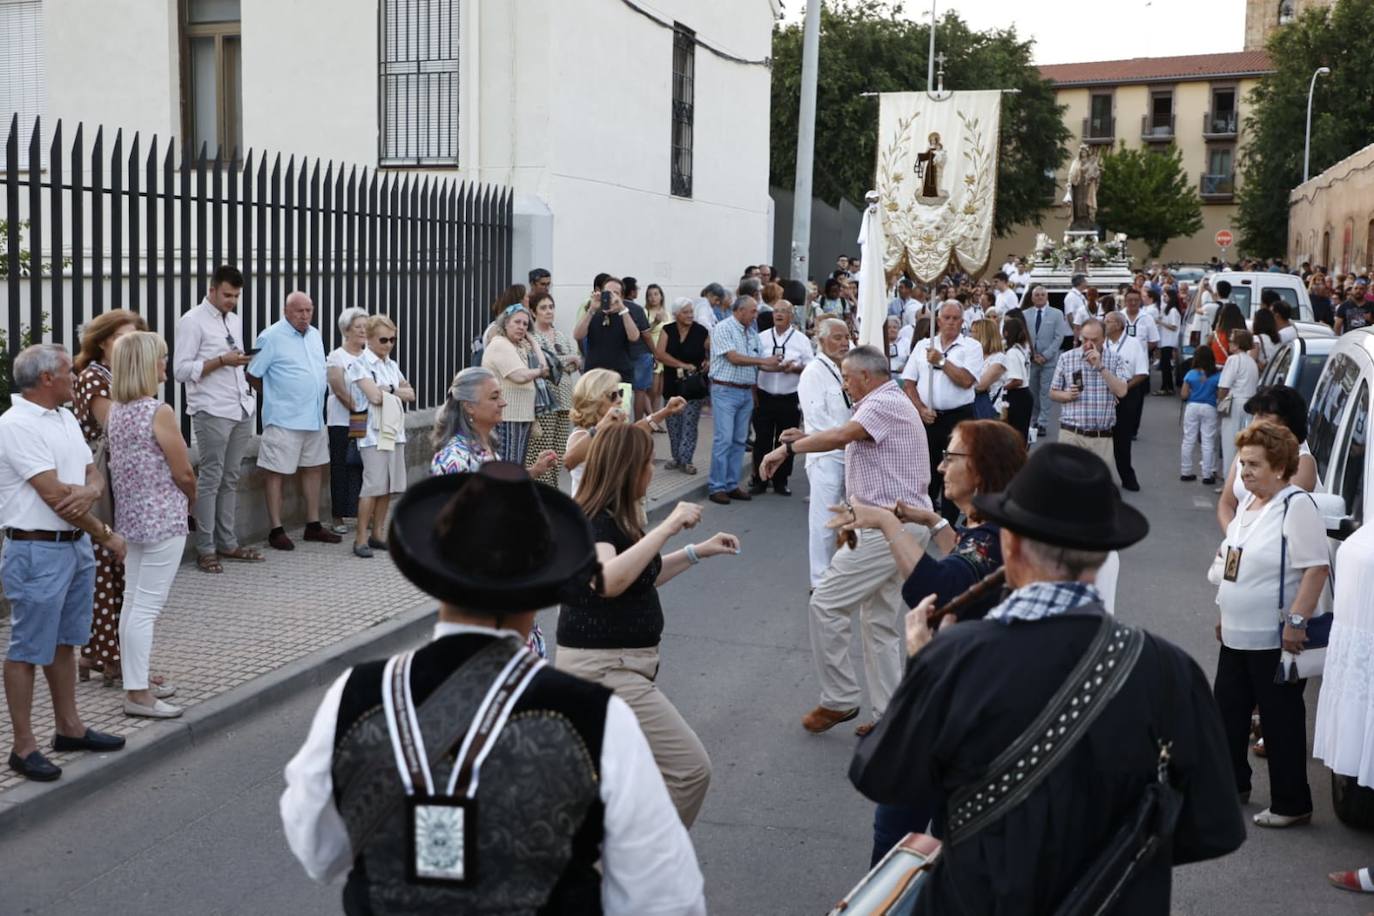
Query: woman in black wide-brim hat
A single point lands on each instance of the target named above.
(373, 793)
(981, 707)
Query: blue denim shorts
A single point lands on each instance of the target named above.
(644, 372)
(51, 587)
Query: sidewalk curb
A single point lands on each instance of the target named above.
(32, 801)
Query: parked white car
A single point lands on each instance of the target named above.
(1338, 424)
(1299, 363)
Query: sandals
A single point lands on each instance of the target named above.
(209, 563)
(242, 555)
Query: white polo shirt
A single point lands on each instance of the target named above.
(1135, 359)
(34, 439)
(965, 352)
(1007, 299)
(794, 347)
(1142, 328)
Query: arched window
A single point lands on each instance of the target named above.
(1285, 12)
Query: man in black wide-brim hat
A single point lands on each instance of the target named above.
(468, 776)
(1054, 743)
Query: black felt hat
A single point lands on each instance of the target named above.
(1064, 496)
(493, 541)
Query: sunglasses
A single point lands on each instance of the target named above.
(387, 340)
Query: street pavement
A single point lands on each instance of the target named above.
(782, 831)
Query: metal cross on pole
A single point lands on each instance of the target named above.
(940, 73)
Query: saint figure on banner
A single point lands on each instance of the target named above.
(930, 165)
(1084, 175)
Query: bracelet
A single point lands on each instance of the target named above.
(790, 450)
(691, 551)
(939, 526)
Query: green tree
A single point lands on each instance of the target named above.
(1148, 196)
(870, 46)
(1271, 165)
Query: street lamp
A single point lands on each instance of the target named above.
(1307, 140)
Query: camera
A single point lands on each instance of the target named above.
(605, 300)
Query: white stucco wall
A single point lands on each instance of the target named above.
(567, 101)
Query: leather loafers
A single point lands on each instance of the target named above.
(35, 767)
(279, 540)
(321, 534)
(823, 719)
(91, 741)
(720, 498)
(740, 495)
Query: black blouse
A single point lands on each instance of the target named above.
(691, 351)
(631, 620)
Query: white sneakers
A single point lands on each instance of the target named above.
(159, 710)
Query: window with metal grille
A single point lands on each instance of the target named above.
(418, 82)
(684, 90)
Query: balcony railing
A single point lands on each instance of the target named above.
(1214, 187)
(1219, 125)
(1099, 130)
(1157, 128)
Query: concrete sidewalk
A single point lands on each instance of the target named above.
(235, 643)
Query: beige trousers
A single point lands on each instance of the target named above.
(864, 580)
(1100, 446)
(677, 750)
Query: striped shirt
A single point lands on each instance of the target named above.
(729, 335)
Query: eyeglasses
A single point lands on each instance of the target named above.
(387, 340)
(949, 455)
(229, 339)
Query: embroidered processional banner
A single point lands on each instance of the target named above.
(937, 177)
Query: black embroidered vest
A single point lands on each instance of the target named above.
(540, 816)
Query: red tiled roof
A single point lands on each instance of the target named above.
(1159, 69)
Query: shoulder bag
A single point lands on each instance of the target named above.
(103, 508)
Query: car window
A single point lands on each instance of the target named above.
(1350, 481)
(1240, 295)
(1276, 373)
(1309, 370)
(1288, 295)
(1326, 407)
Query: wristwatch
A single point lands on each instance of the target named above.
(790, 451)
(1297, 621)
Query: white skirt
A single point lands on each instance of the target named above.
(1344, 735)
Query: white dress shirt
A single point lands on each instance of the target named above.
(648, 862)
(202, 334)
(1134, 357)
(1075, 303)
(965, 352)
(823, 405)
(794, 347)
(1007, 299)
(914, 309)
(34, 439)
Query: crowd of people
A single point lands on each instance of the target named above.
(934, 523)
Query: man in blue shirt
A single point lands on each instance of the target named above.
(288, 368)
(736, 357)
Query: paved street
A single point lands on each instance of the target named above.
(781, 832)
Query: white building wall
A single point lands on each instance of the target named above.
(567, 101)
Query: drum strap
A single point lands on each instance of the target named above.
(1097, 677)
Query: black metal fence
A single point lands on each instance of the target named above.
(138, 225)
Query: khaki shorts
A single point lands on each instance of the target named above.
(383, 472)
(284, 451)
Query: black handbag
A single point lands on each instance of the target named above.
(694, 386)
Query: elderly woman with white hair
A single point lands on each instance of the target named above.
(684, 349)
(345, 463)
(519, 364)
(464, 435)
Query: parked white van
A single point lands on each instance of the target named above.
(1248, 286)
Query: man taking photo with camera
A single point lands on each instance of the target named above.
(608, 330)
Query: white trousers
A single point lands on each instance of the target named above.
(148, 573)
(864, 580)
(1199, 420)
(1230, 428)
(827, 489)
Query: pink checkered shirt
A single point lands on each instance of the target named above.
(894, 464)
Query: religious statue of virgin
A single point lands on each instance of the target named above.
(1084, 175)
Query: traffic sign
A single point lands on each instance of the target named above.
(1224, 238)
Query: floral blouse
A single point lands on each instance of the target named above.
(976, 553)
(460, 454)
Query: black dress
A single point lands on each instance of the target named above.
(973, 690)
(691, 351)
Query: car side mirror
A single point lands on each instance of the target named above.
(1331, 507)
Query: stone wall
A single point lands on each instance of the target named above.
(1331, 216)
